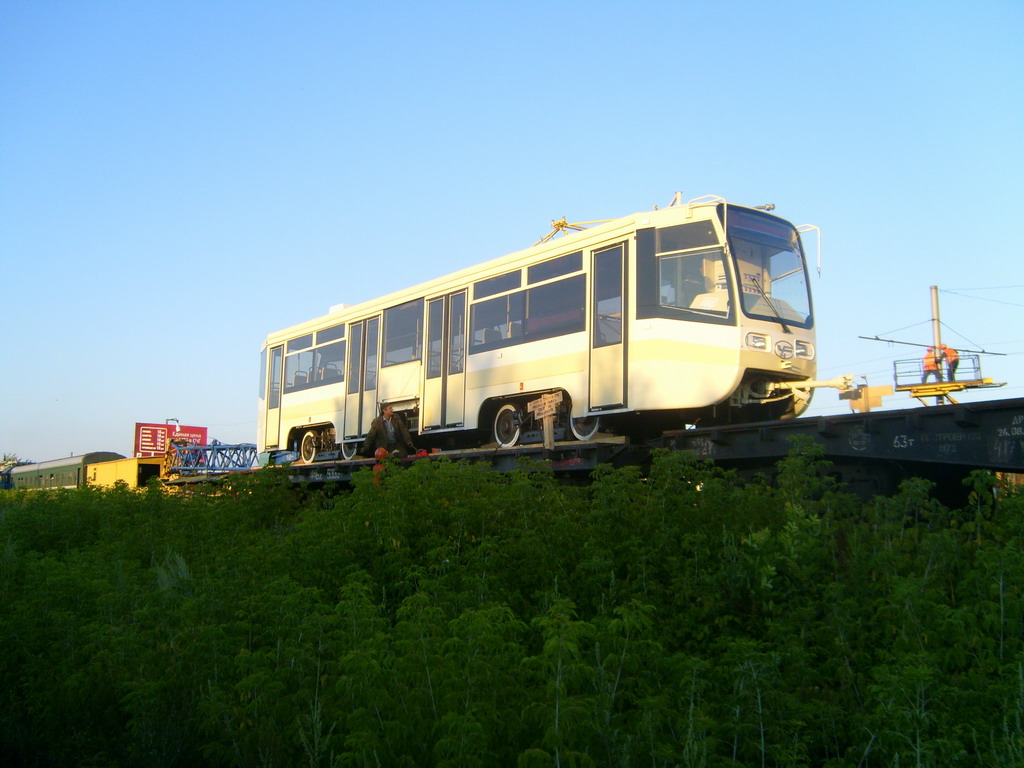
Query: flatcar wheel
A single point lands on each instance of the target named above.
(349, 450)
(308, 448)
(584, 428)
(506, 426)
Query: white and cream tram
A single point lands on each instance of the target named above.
(695, 313)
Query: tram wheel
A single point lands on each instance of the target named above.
(584, 428)
(307, 450)
(349, 451)
(506, 426)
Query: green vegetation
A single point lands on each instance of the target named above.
(451, 616)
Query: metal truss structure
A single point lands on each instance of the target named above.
(214, 459)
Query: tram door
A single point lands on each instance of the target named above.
(361, 390)
(444, 386)
(608, 329)
(272, 423)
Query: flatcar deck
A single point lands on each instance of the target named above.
(873, 450)
(566, 457)
(868, 452)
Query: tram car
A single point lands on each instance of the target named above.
(70, 472)
(696, 313)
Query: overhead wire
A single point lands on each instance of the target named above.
(979, 298)
(897, 330)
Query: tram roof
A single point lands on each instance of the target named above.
(452, 281)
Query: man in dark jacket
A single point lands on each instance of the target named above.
(388, 431)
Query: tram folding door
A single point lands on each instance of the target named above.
(361, 392)
(272, 423)
(444, 385)
(608, 330)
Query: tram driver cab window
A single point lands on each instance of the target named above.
(694, 281)
(716, 298)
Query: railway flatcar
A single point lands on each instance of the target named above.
(70, 472)
(699, 312)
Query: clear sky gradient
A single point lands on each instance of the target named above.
(179, 179)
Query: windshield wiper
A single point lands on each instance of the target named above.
(757, 284)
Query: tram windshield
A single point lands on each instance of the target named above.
(771, 268)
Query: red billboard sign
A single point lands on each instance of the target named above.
(152, 439)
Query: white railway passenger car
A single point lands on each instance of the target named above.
(695, 313)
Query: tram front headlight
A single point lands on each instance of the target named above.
(757, 341)
(805, 350)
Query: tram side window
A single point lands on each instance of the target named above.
(274, 399)
(548, 310)
(330, 363)
(330, 334)
(556, 308)
(499, 284)
(457, 335)
(495, 321)
(435, 337)
(563, 265)
(298, 363)
(403, 333)
(685, 236)
(302, 342)
(313, 367)
(370, 362)
(298, 371)
(607, 317)
(355, 359)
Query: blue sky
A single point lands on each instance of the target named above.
(178, 179)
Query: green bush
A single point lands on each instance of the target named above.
(448, 615)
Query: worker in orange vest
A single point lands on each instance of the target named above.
(931, 366)
(952, 358)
